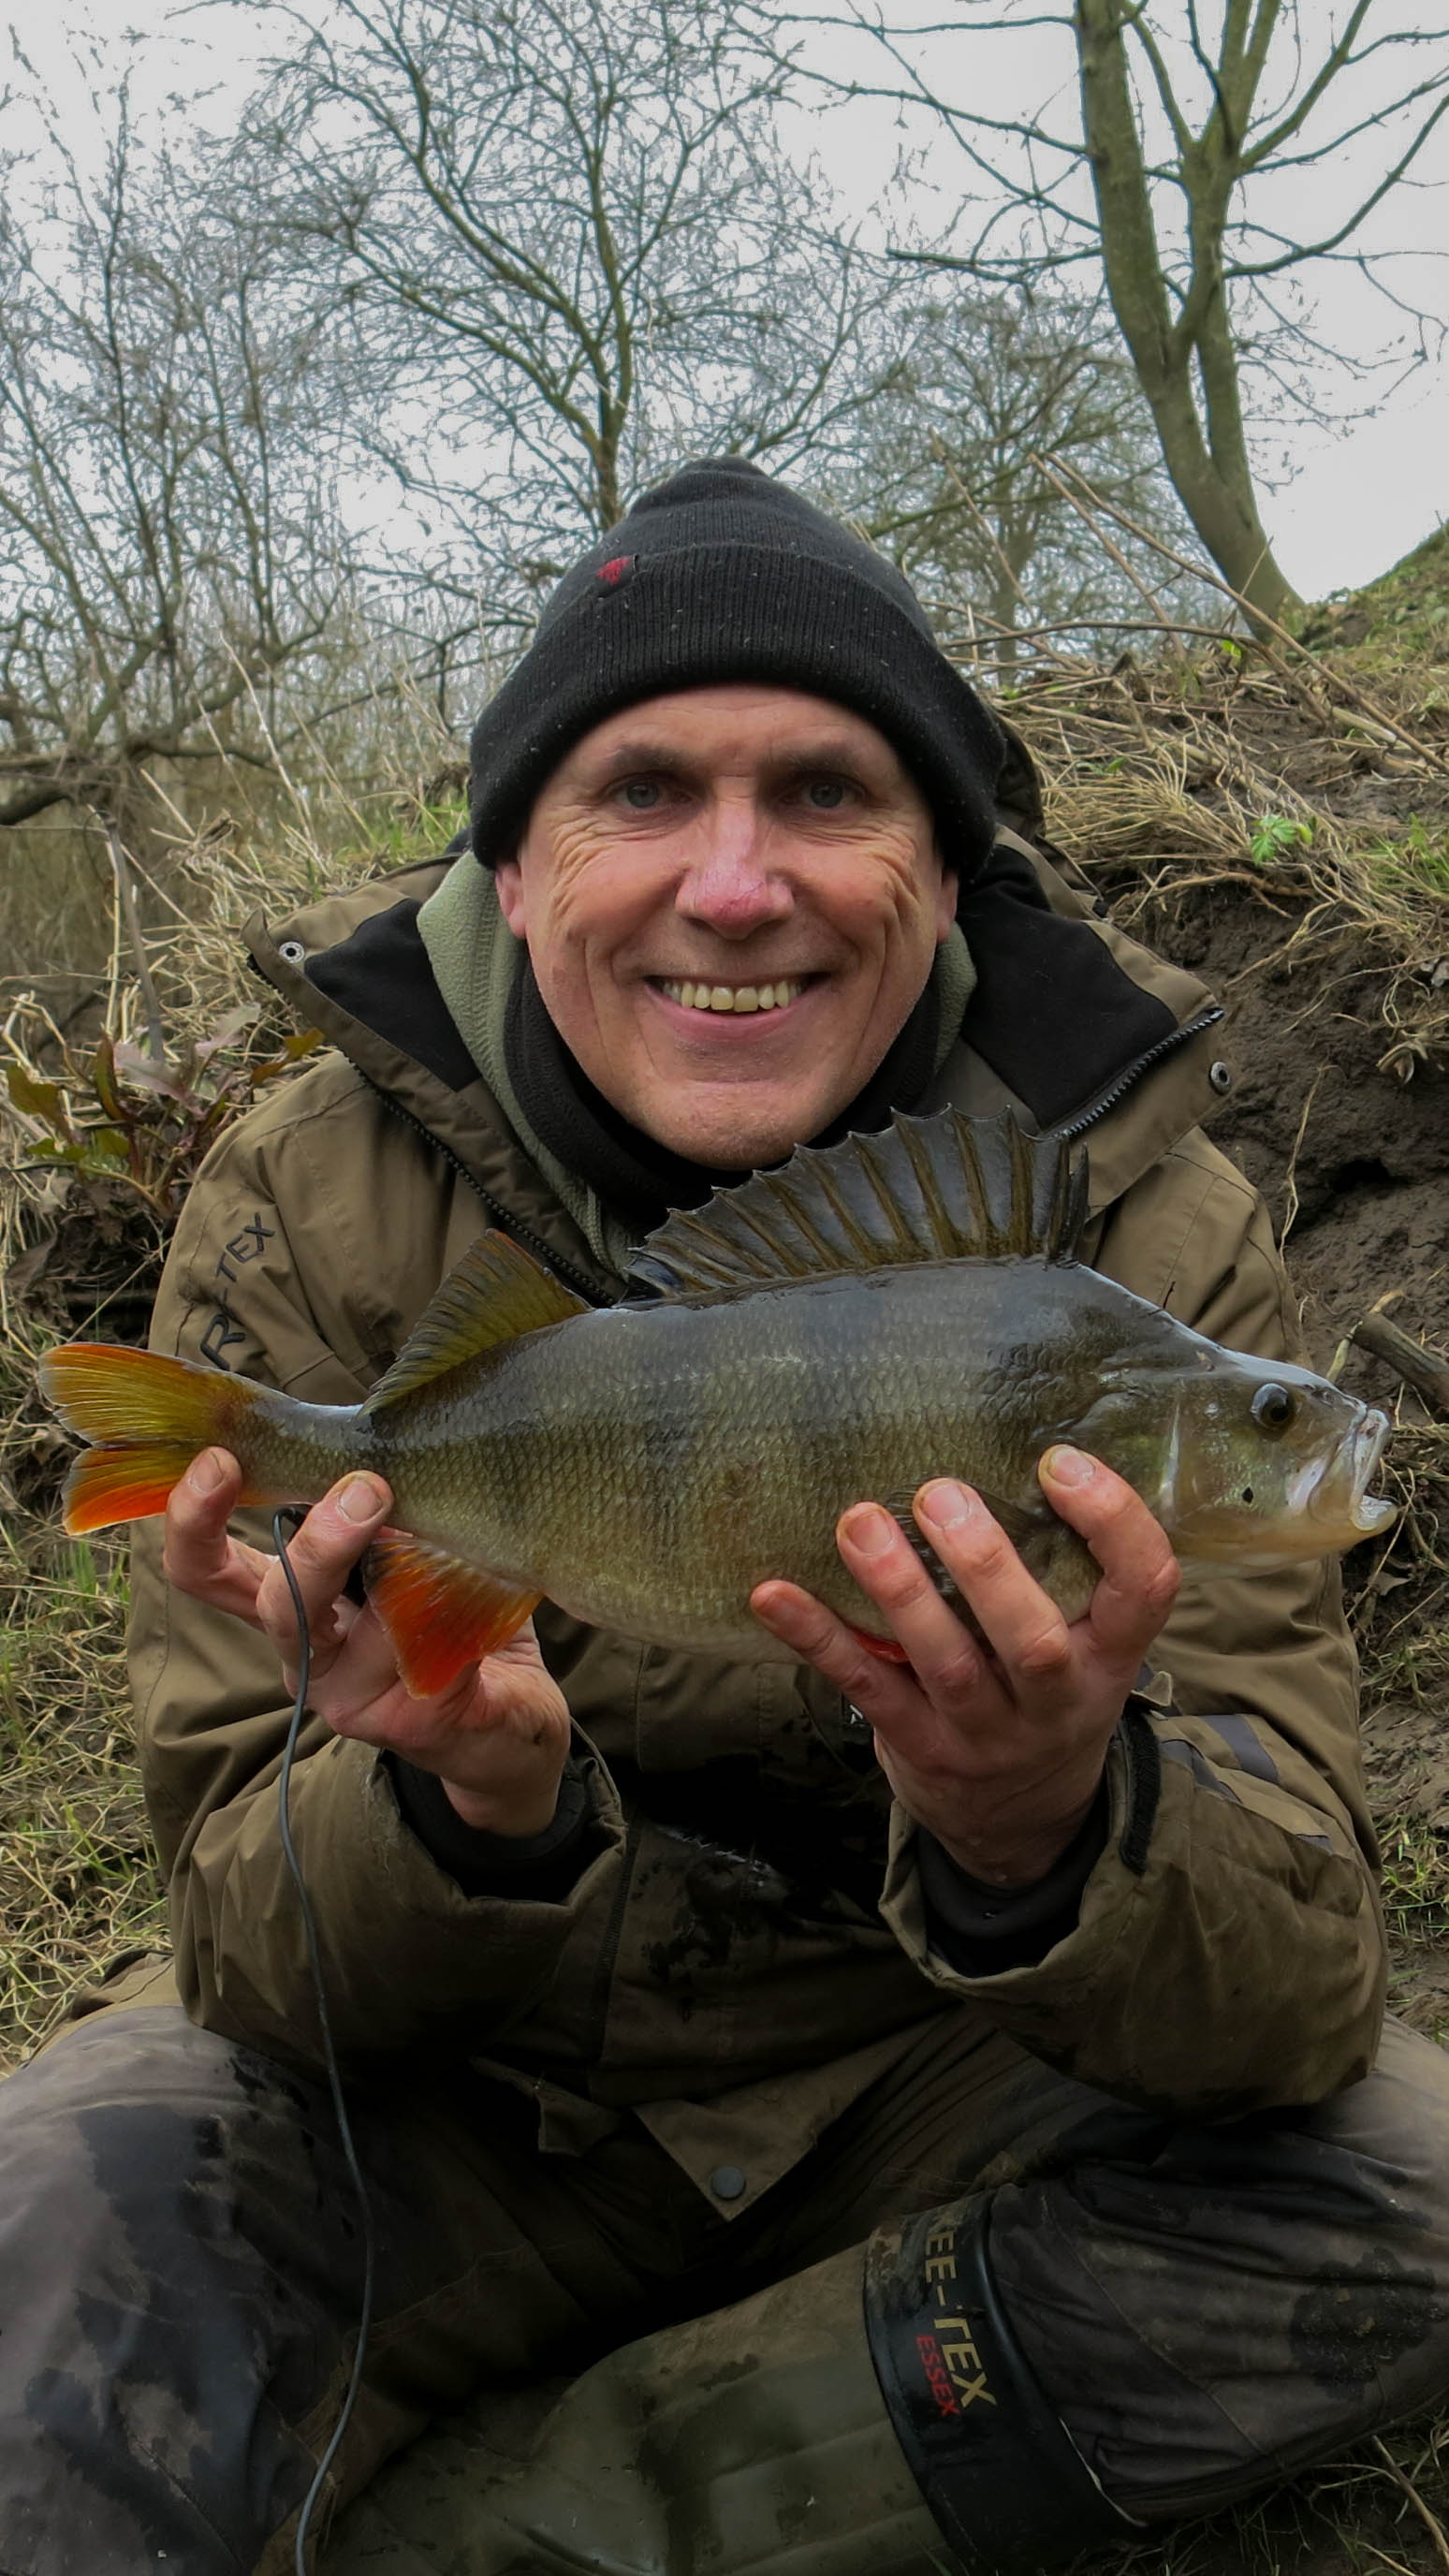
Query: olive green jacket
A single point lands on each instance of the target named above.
(718, 1969)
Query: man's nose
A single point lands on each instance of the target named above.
(730, 883)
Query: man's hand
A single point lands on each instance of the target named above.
(497, 1738)
(998, 1753)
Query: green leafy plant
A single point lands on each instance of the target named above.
(1274, 835)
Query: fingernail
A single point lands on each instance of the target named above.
(946, 1503)
(868, 1528)
(358, 1500)
(1069, 1467)
(206, 1473)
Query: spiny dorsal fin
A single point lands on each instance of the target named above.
(495, 1293)
(947, 1188)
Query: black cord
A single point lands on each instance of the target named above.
(329, 2052)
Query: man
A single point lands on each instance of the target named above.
(932, 2112)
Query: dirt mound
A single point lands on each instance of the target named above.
(1265, 828)
(1353, 1161)
(1287, 837)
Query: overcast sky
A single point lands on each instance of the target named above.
(1344, 501)
(1348, 499)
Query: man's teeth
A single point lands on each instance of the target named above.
(733, 997)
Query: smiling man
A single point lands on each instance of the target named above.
(732, 900)
(933, 2112)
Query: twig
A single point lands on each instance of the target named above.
(1431, 2521)
(1078, 671)
(1384, 2559)
(1290, 1210)
(1147, 597)
(126, 905)
(992, 539)
(1423, 1370)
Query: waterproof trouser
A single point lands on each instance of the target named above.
(1157, 2317)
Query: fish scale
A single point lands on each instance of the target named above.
(871, 1316)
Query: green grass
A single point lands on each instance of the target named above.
(1416, 864)
(1415, 1879)
(78, 1883)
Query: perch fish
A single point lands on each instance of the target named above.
(868, 1316)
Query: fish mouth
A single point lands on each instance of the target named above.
(1352, 1468)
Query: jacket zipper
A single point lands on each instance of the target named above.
(1115, 1091)
(504, 1218)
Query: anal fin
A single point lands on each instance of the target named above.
(440, 1613)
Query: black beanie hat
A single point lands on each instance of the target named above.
(723, 574)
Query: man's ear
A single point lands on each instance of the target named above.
(947, 892)
(512, 901)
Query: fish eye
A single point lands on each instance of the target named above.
(1273, 1408)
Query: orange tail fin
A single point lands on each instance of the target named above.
(149, 1416)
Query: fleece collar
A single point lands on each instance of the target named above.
(1076, 1025)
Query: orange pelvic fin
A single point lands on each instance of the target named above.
(886, 1649)
(441, 1614)
(149, 1416)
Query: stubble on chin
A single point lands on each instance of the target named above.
(737, 1135)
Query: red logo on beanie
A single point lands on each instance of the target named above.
(614, 574)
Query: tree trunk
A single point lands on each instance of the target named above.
(1230, 530)
(1209, 470)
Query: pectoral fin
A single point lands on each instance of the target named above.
(1064, 1566)
(887, 1650)
(1053, 1554)
(440, 1613)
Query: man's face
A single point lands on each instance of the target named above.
(732, 898)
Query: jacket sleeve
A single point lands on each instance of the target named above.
(1228, 1951)
(407, 1952)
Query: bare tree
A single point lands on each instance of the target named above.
(1181, 180)
(170, 556)
(564, 235)
(952, 475)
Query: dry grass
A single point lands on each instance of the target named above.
(1400, 1597)
(78, 1885)
(1228, 769)
(1383, 2505)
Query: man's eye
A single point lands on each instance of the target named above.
(826, 795)
(642, 794)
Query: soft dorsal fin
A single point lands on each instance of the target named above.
(947, 1188)
(494, 1294)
